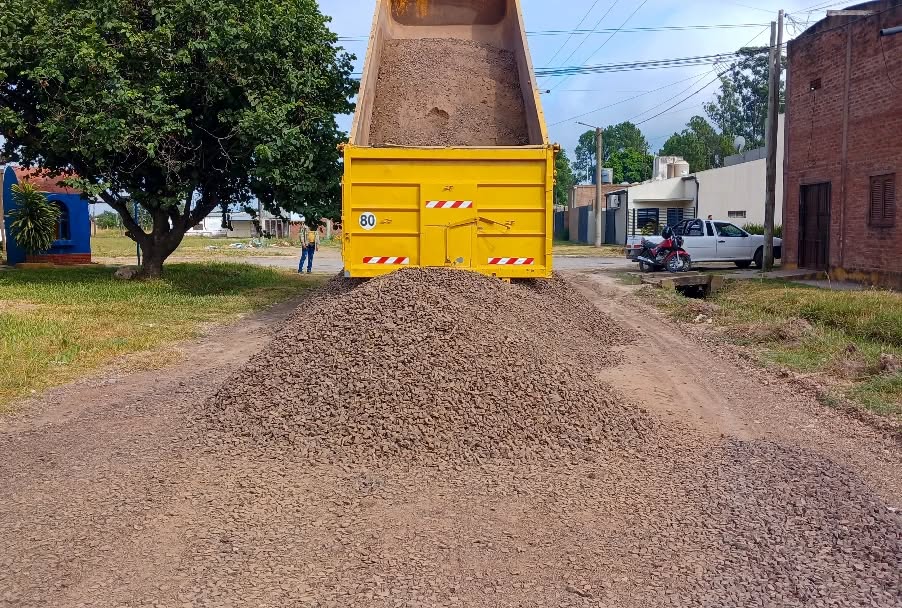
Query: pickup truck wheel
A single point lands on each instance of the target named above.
(743, 264)
(759, 258)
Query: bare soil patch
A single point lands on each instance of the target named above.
(120, 498)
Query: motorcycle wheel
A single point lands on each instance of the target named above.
(678, 263)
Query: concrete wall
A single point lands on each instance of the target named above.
(740, 188)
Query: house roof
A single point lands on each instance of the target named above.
(878, 6)
(43, 181)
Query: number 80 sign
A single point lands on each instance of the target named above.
(367, 221)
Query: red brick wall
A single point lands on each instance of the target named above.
(872, 115)
(62, 259)
(584, 195)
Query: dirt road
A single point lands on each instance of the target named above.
(110, 498)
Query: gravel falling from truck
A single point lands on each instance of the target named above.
(446, 92)
(434, 364)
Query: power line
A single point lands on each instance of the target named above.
(570, 37)
(602, 31)
(669, 99)
(595, 27)
(622, 101)
(633, 66)
(691, 95)
(716, 78)
(622, 25)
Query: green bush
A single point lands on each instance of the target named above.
(34, 220)
(759, 229)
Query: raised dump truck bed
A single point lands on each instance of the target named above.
(448, 162)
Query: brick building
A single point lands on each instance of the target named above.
(844, 147)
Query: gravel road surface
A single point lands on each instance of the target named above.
(715, 486)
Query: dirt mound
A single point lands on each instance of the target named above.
(435, 364)
(444, 92)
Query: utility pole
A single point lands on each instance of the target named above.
(599, 163)
(773, 113)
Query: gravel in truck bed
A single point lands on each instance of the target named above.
(433, 363)
(446, 92)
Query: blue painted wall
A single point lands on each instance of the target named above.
(79, 240)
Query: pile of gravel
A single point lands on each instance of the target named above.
(433, 364)
(446, 92)
(799, 530)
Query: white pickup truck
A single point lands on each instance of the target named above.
(715, 241)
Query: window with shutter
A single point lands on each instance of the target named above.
(882, 208)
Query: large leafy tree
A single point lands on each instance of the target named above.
(180, 106)
(564, 178)
(584, 165)
(700, 144)
(631, 165)
(621, 137)
(740, 107)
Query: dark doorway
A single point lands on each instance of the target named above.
(583, 236)
(610, 227)
(814, 226)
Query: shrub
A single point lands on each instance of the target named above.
(34, 220)
(759, 229)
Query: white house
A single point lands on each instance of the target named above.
(735, 192)
(241, 225)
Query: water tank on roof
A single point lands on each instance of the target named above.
(607, 176)
(681, 168)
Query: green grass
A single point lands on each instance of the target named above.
(584, 250)
(840, 334)
(56, 324)
(114, 244)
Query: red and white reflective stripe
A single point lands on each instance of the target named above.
(387, 261)
(449, 204)
(511, 261)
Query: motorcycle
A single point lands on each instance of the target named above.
(667, 255)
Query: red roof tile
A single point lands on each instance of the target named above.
(43, 182)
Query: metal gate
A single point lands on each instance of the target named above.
(583, 236)
(814, 226)
(610, 227)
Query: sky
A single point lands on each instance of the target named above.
(639, 95)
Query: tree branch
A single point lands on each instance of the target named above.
(204, 207)
(130, 222)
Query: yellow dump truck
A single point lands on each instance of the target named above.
(448, 163)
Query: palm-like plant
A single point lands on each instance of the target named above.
(34, 220)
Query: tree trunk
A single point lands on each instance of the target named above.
(157, 248)
(152, 260)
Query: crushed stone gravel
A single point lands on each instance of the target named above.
(121, 501)
(434, 363)
(447, 92)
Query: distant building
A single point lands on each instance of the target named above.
(73, 242)
(241, 225)
(579, 218)
(735, 192)
(844, 147)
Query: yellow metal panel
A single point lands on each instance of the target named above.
(434, 171)
(385, 196)
(504, 210)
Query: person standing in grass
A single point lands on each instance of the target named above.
(309, 245)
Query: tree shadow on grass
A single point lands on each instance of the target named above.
(193, 279)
